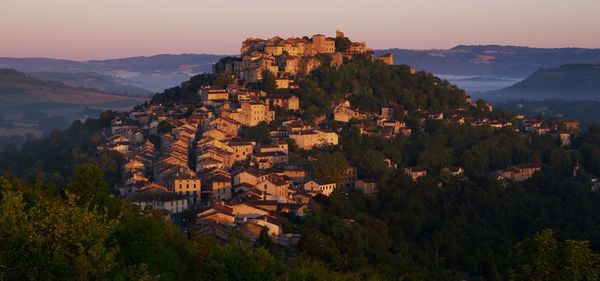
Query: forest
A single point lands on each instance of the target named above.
(58, 219)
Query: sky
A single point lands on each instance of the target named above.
(93, 29)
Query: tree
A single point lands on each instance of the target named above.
(89, 185)
(259, 133)
(542, 257)
(268, 83)
(342, 44)
(330, 166)
(52, 239)
(223, 79)
(164, 127)
(589, 145)
(264, 240)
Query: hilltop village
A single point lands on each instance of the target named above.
(204, 157)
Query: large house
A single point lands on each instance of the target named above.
(309, 139)
(251, 113)
(387, 58)
(219, 186)
(519, 172)
(210, 94)
(415, 172)
(285, 101)
(276, 186)
(159, 198)
(367, 186)
(320, 186)
(188, 185)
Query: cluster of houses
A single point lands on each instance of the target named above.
(285, 58)
(193, 156)
(561, 128)
(181, 157)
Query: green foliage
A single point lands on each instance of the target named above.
(164, 127)
(342, 44)
(222, 80)
(53, 239)
(89, 185)
(221, 66)
(330, 166)
(457, 227)
(53, 159)
(186, 92)
(268, 83)
(264, 240)
(373, 85)
(542, 257)
(589, 145)
(259, 133)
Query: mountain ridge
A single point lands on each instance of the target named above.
(492, 60)
(151, 73)
(569, 81)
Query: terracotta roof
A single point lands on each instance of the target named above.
(223, 209)
(219, 178)
(243, 184)
(253, 172)
(239, 143)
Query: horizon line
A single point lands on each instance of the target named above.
(225, 55)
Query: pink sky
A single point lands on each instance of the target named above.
(86, 29)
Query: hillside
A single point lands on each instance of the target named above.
(570, 82)
(20, 88)
(90, 80)
(435, 226)
(154, 73)
(586, 111)
(26, 101)
(492, 60)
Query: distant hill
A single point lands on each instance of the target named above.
(96, 81)
(492, 60)
(569, 82)
(156, 73)
(153, 74)
(20, 88)
(26, 100)
(586, 111)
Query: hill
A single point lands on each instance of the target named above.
(465, 226)
(27, 102)
(492, 60)
(586, 111)
(20, 88)
(570, 82)
(154, 73)
(91, 80)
